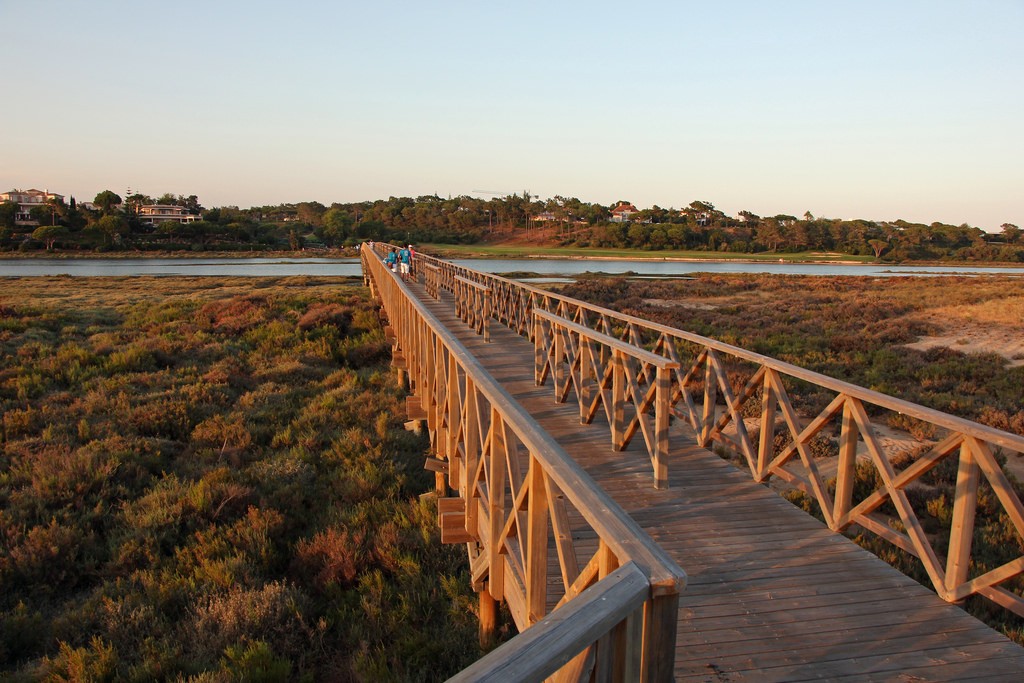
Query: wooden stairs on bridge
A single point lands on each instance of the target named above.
(772, 594)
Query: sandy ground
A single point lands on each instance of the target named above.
(987, 328)
(680, 303)
(1007, 342)
(990, 327)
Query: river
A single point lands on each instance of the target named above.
(544, 268)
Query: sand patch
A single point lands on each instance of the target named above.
(1004, 341)
(995, 326)
(677, 303)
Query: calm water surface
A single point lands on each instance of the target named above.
(267, 267)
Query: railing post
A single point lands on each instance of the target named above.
(618, 400)
(661, 619)
(846, 473)
(537, 544)
(661, 423)
(964, 507)
(710, 399)
(557, 369)
(587, 378)
(538, 351)
(487, 315)
(496, 509)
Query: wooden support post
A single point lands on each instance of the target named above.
(488, 619)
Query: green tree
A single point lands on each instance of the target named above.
(191, 203)
(49, 234)
(113, 228)
(133, 201)
(751, 219)
(337, 226)
(8, 214)
(106, 201)
(43, 215)
(1011, 233)
(878, 246)
(310, 212)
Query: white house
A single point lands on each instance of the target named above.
(155, 214)
(26, 201)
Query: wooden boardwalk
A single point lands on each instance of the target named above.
(772, 595)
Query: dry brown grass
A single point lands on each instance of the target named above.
(1008, 311)
(117, 291)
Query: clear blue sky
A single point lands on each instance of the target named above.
(881, 110)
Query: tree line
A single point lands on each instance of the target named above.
(114, 224)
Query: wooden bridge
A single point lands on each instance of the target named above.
(572, 461)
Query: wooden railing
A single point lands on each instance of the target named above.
(742, 403)
(473, 305)
(606, 372)
(431, 279)
(541, 536)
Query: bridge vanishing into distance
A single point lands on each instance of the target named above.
(578, 457)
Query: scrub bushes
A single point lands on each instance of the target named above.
(214, 484)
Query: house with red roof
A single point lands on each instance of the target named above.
(622, 212)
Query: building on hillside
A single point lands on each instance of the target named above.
(622, 212)
(26, 201)
(544, 217)
(155, 214)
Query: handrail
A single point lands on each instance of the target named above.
(516, 487)
(555, 640)
(720, 387)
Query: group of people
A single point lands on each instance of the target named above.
(401, 259)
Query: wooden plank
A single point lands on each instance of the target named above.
(435, 465)
(453, 530)
(451, 504)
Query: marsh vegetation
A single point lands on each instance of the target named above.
(208, 479)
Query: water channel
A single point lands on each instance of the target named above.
(544, 269)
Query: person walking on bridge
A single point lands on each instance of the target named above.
(404, 262)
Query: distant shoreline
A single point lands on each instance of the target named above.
(445, 252)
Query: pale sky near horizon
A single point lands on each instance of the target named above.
(878, 110)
